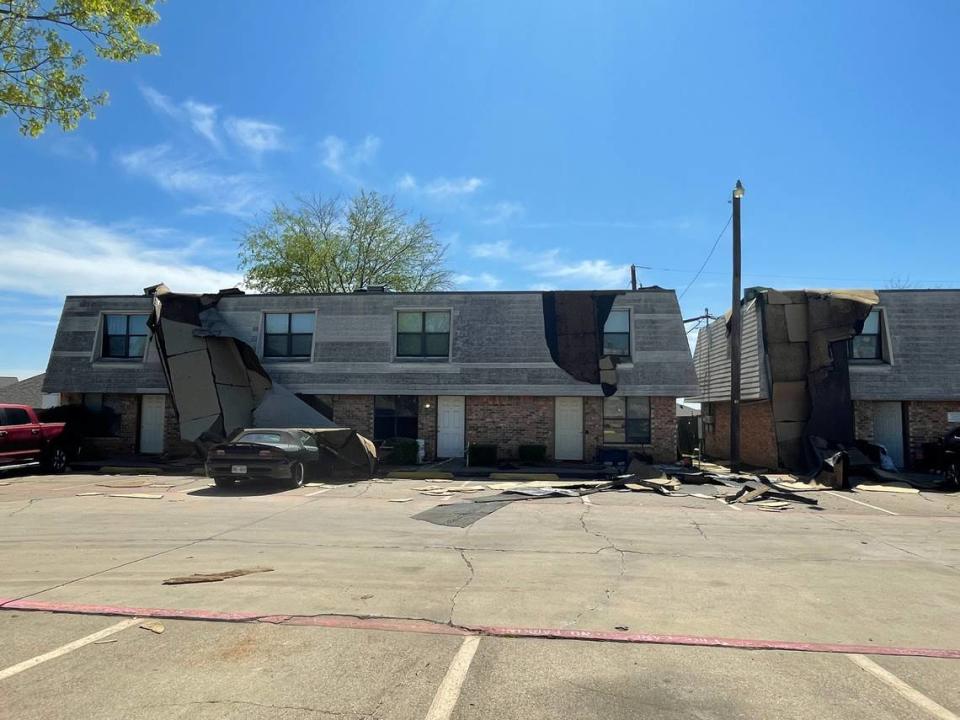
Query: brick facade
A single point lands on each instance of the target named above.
(592, 427)
(173, 446)
(354, 411)
(509, 421)
(663, 429)
(427, 425)
(927, 422)
(863, 420)
(758, 440)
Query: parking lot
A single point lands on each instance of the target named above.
(367, 613)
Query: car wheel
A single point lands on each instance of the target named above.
(952, 474)
(55, 460)
(224, 482)
(296, 475)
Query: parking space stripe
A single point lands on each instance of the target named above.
(861, 502)
(932, 708)
(448, 693)
(68, 648)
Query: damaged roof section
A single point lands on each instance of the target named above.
(216, 381)
(794, 354)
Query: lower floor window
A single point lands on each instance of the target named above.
(626, 420)
(395, 416)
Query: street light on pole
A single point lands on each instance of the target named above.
(735, 325)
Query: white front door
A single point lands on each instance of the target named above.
(888, 429)
(152, 411)
(569, 428)
(450, 426)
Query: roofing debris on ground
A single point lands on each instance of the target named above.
(214, 577)
(766, 491)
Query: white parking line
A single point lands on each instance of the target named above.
(317, 492)
(449, 691)
(861, 502)
(913, 695)
(69, 647)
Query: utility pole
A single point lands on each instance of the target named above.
(735, 324)
(633, 277)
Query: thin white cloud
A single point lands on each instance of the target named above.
(333, 149)
(407, 182)
(238, 194)
(158, 101)
(341, 158)
(500, 250)
(481, 281)
(200, 117)
(255, 135)
(590, 273)
(553, 267)
(367, 151)
(203, 120)
(74, 148)
(443, 187)
(52, 256)
(502, 212)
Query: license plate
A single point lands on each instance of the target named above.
(238, 469)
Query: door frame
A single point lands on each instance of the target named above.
(140, 416)
(462, 403)
(556, 426)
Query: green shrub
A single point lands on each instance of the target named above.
(532, 453)
(403, 451)
(482, 455)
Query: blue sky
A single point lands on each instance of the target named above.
(552, 144)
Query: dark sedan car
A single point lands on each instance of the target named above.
(287, 456)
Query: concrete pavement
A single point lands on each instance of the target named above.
(885, 573)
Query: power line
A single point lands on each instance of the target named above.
(709, 255)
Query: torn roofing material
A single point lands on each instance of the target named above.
(216, 381)
(573, 325)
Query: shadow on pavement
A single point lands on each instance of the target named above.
(250, 488)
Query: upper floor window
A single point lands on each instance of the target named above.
(616, 333)
(288, 335)
(423, 334)
(124, 336)
(626, 419)
(868, 345)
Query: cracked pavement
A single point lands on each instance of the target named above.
(839, 573)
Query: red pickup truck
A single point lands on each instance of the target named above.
(24, 439)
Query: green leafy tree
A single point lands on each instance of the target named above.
(322, 246)
(40, 78)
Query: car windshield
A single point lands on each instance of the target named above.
(264, 438)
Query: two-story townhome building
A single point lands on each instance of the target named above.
(451, 368)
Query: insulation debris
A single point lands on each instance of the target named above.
(214, 577)
(153, 626)
(124, 483)
(892, 487)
